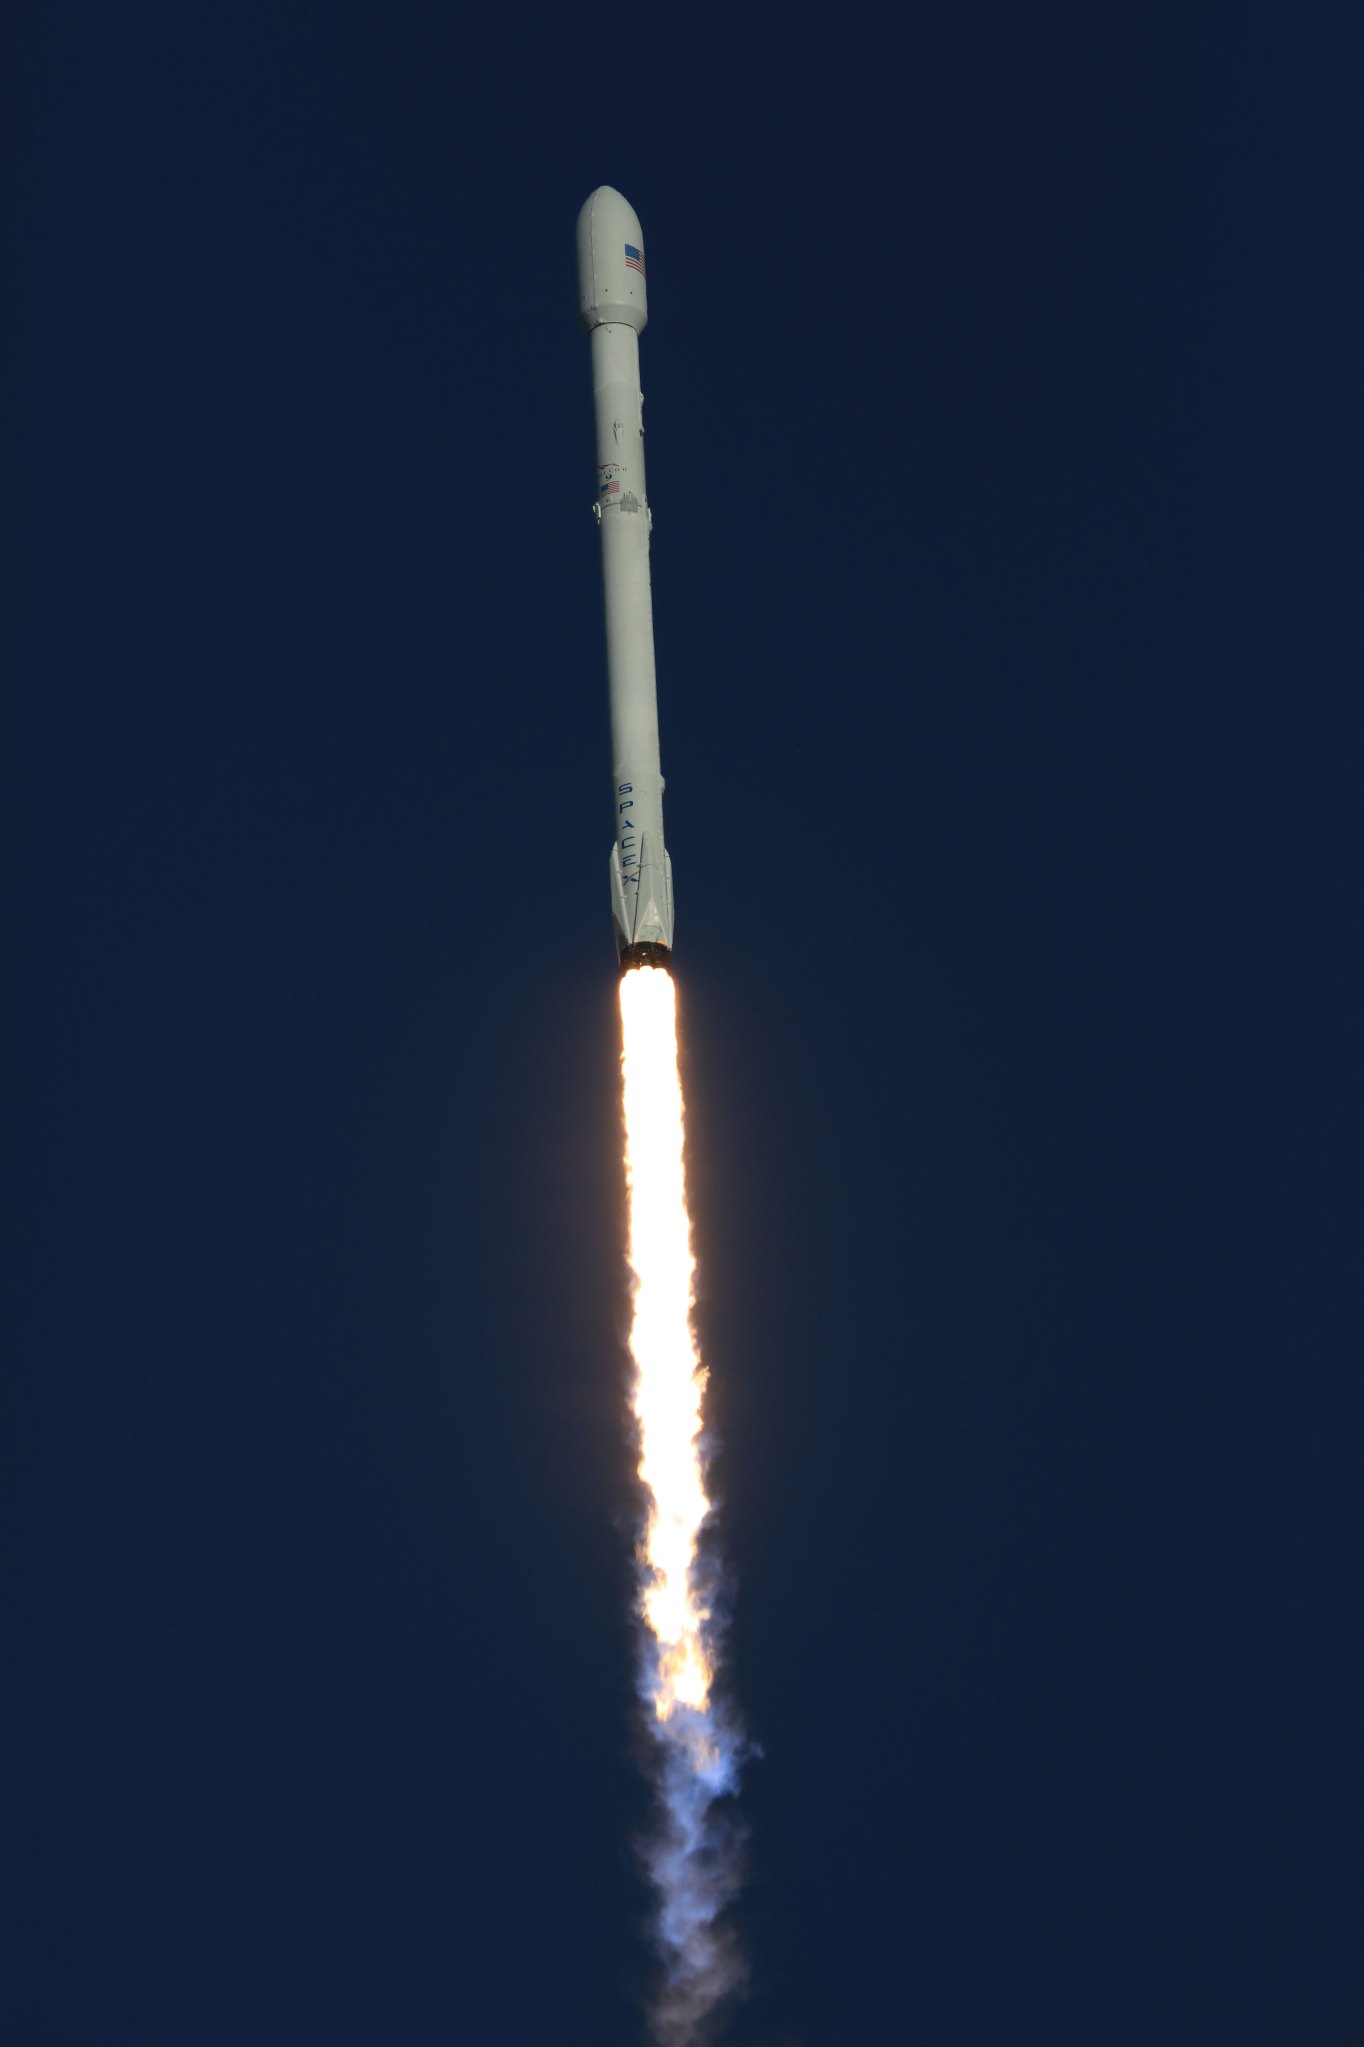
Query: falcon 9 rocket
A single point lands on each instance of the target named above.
(613, 302)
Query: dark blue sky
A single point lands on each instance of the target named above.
(1003, 393)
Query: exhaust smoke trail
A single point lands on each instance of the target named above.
(692, 1855)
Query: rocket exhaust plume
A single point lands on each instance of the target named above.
(692, 1853)
(692, 1857)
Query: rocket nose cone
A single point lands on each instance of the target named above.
(611, 285)
(607, 210)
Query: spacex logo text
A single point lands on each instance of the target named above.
(627, 829)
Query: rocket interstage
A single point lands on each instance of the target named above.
(613, 303)
(697, 1746)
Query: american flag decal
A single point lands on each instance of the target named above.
(634, 259)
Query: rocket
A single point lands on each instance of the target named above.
(613, 303)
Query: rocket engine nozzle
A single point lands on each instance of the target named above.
(646, 955)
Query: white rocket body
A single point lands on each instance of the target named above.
(614, 307)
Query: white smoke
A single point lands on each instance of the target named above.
(694, 1858)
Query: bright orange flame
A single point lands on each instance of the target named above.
(669, 1379)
